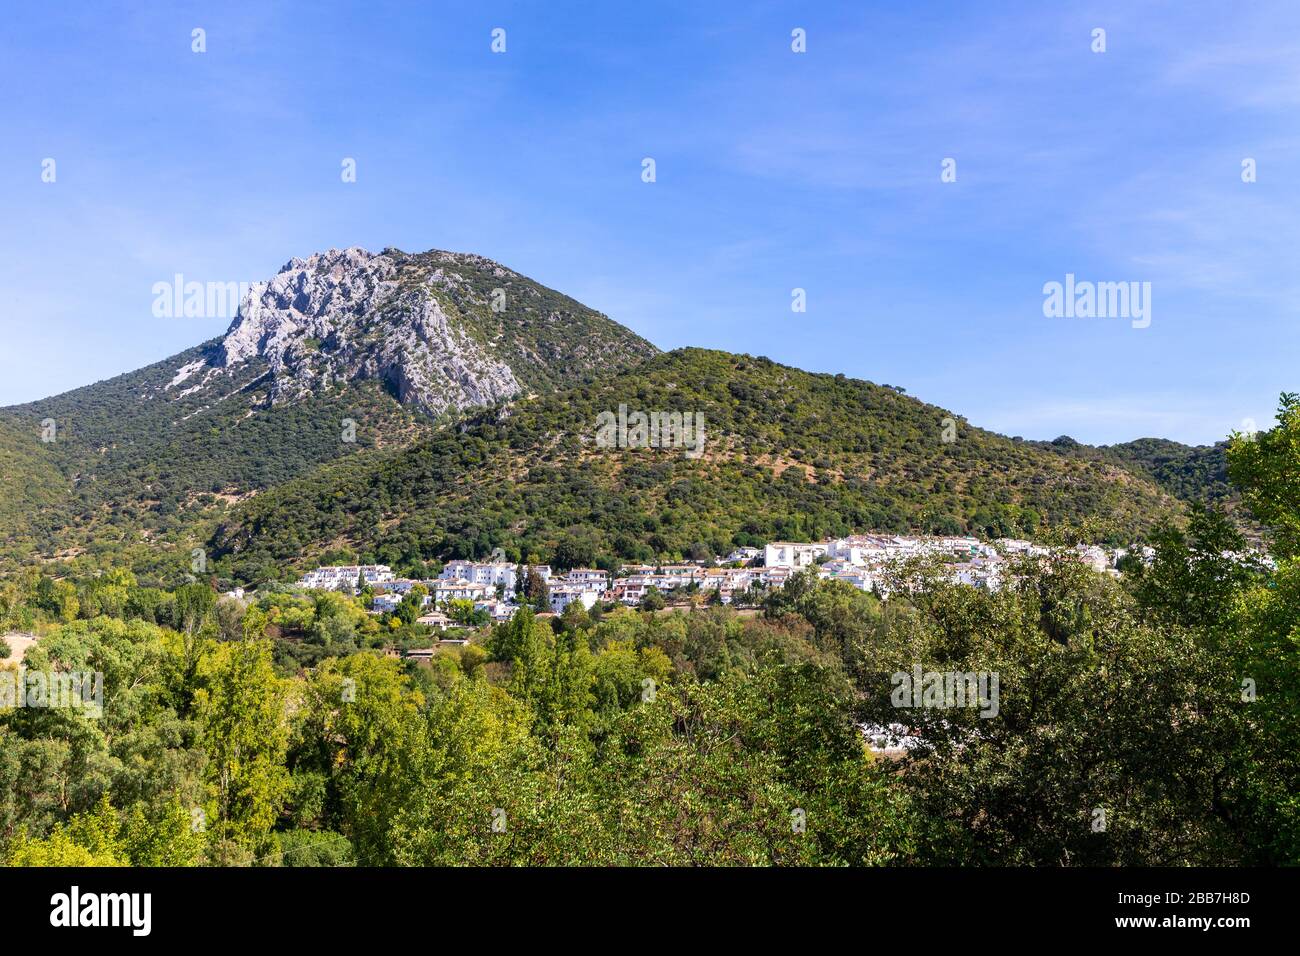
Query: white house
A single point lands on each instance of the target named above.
(792, 554)
(591, 577)
(497, 610)
(853, 574)
(858, 548)
(489, 574)
(457, 589)
(632, 589)
(683, 572)
(960, 547)
(562, 595)
(774, 577)
(340, 576)
(890, 740)
(1093, 556)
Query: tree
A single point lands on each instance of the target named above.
(620, 675)
(193, 603)
(477, 762)
(1196, 573)
(357, 731)
(1104, 741)
(462, 611)
(241, 709)
(574, 617)
(577, 549)
(412, 603)
(57, 598)
(539, 595)
(229, 616)
(1266, 467)
(164, 835)
(1264, 798)
(154, 836)
(653, 600)
(518, 637)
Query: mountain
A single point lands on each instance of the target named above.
(1196, 474)
(786, 454)
(415, 407)
(441, 331)
(1192, 473)
(343, 352)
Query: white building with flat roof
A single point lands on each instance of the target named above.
(562, 595)
(591, 577)
(792, 554)
(335, 577)
(488, 573)
(456, 589)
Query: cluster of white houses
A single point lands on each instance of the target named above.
(491, 586)
(862, 561)
(340, 576)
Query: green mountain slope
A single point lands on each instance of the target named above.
(33, 486)
(1189, 472)
(133, 468)
(788, 454)
(339, 353)
(549, 340)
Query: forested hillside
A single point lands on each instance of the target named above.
(33, 487)
(132, 467)
(1121, 733)
(1190, 472)
(405, 407)
(787, 455)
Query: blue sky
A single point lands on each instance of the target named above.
(775, 170)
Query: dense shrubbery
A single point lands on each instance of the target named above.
(683, 738)
(1192, 473)
(697, 737)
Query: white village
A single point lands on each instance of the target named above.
(864, 561)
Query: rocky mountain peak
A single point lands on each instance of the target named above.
(442, 331)
(343, 315)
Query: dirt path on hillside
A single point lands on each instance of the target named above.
(18, 644)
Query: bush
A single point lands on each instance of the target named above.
(315, 848)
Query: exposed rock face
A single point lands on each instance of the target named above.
(352, 314)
